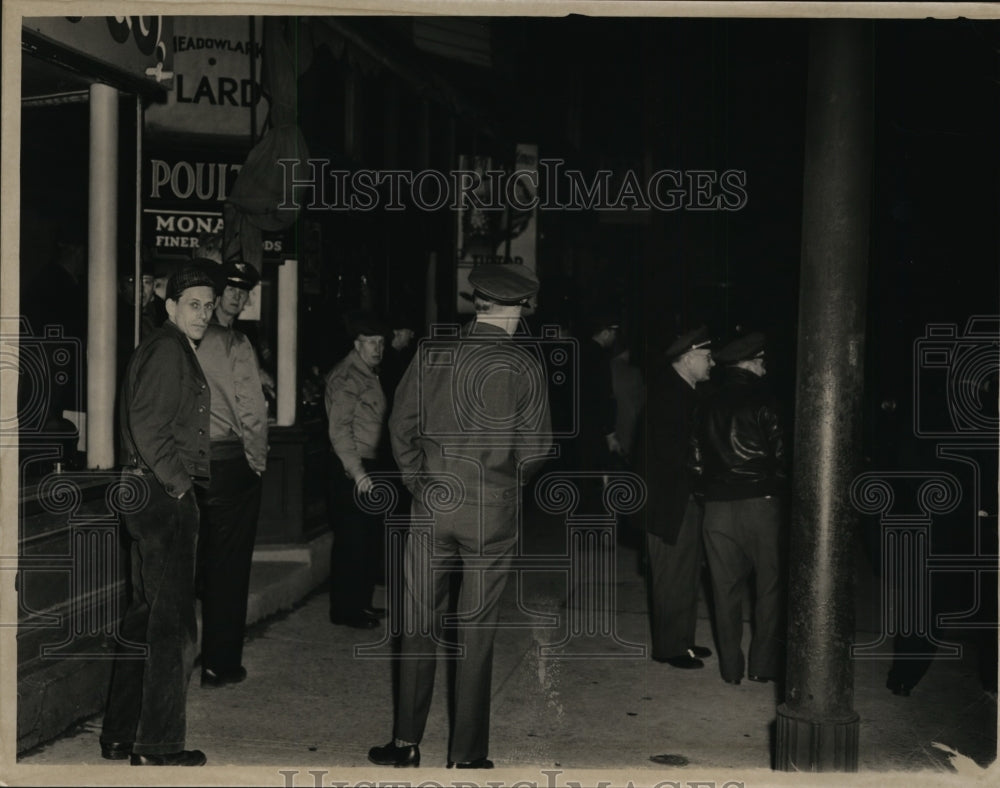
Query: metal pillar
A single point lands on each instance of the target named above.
(102, 265)
(817, 725)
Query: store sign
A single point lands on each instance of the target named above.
(140, 46)
(214, 91)
(184, 199)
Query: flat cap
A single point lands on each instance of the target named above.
(504, 284)
(240, 274)
(689, 340)
(742, 348)
(365, 323)
(193, 274)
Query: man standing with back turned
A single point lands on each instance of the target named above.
(472, 410)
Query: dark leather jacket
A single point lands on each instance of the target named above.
(165, 406)
(739, 445)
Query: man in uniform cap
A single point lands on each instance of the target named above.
(164, 420)
(740, 453)
(673, 515)
(454, 424)
(230, 505)
(356, 413)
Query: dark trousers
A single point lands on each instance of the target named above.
(229, 511)
(487, 535)
(743, 537)
(675, 579)
(357, 556)
(146, 703)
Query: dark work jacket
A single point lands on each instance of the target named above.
(739, 448)
(475, 410)
(669, 425)
(165, 411)
(597, 407)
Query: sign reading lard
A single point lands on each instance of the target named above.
(213, 88)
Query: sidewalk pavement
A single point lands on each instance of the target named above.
(598, 706)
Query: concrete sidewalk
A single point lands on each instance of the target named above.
(314, 701)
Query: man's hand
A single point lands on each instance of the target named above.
(613, 445)
(363, 483)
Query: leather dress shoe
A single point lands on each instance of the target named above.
(898, 688)
(359, 620)
(700, 652)
(182, 758)
(221, 677)
(391, 755)
(759, 679)
(684, 661)
(374, 612)
(116, 750)
(479, 763)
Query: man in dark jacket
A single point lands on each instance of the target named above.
(740, 452)
(165, 405)
(673, 518)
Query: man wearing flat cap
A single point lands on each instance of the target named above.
(673, 515)
(356, 413)
(230, 505)
(740, 454)
(471, 413)
(165, 412)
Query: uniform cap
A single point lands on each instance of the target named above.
(742, 349)
(240, 274)
(689, 340)
(504, 284)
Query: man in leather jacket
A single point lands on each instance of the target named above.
(739, 453)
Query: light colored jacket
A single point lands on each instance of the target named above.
(239, 410)
(355, 410)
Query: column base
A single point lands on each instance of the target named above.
(805, 744)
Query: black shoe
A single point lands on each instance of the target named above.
(391, 755)
(359, 620)
(116, 750)
(898, 688)
(374, 612)
(760, 679)
(182, 758)
(734, 682)
(700, 652)
(222, 677)
(479, 763)
(684, 661)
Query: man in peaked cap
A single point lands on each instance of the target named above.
(673, 514)
(483, 434)
(165, 403)
(740, 454)
(230, 505)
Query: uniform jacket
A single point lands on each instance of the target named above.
(670, 417)
(475, 407)
(739, 448)
(355, 409)
(239, 410)
(165, 406)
